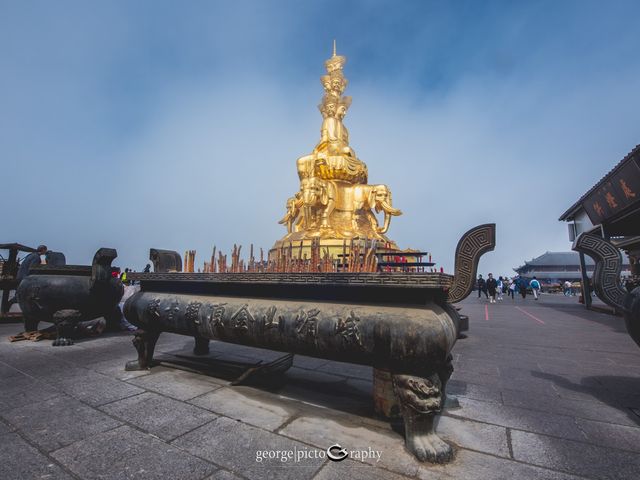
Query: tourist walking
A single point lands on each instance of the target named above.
(512, 289)
(535, 287)
(499, 289)
(482, 287)
(522, 287)
(492, 285)
(568, 289)
(123, 277)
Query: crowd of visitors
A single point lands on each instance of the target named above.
(494, 289)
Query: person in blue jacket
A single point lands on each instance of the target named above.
(522, 287)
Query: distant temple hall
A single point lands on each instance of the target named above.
(558, 267)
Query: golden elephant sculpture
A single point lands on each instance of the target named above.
(373, 197)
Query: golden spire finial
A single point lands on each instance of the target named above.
(336, 62)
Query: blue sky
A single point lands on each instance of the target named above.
(177, 124)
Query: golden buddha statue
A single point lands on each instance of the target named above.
(334, 202)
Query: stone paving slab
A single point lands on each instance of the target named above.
(611, 434)
(7, 372)
(576, 391)
(317, 394)
(96, 389)
(161, 416)
(478, 466)
(233, 445)
(249, 405)
(223, 475)
(37, 363)
(519, 418)
(622, 359)
(575, 457)
(21, 389)
(349, 469)
(177, 384)
(586, 408)
(550, 401)
(72, 421)
(115, 368)
(125, 453)
(326, 431)
(498, 383)
(6, 428)
(89, 351)
(477, 436)
(474, 391)
(20, 461)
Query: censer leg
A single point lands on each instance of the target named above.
(421, 400)
(145, 343)
(201, 346)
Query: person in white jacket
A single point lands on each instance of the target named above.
(499, 289)
(535, 286)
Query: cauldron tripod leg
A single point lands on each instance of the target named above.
(113, 319)
(202, 345)
(421, 400)
(66, 322)
(145, 343)
(31, 325)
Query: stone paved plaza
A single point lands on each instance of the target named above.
(547, 390)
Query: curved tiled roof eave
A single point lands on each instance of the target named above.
(571, 210)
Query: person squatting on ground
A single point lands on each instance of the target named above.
(482, 287)
(535, 287)
(492, 285)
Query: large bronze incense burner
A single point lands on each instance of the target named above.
(69, 294)
(335, 286)
(403, 323)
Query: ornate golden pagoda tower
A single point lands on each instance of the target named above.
(335, 204)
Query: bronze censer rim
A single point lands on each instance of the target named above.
(428, 280)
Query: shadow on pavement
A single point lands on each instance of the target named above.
(614, 322)
(621, 393)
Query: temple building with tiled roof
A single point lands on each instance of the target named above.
(558, 267)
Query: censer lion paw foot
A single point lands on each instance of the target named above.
(145, 343)
(428, 447)
(421, 400)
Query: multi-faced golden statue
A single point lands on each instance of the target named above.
(334, 202)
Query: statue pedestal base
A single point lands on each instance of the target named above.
(337, 249)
